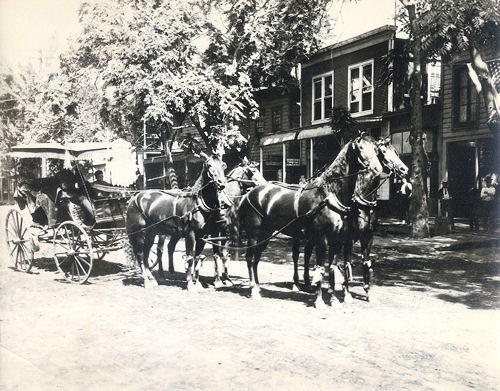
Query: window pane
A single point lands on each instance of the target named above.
(276, 120)
(406, 142)
(462, 113)
(354, 84)
(367, 101)
(317, 110)
(473, 106)
(317, 88)
(367, 77)
(328, 86)
(354, 107)
(328, 107)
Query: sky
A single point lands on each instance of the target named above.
(29, 28)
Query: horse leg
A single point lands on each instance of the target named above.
(295, 256)
(319, 273)
(335, 277)
(249, 258)
(256, 258)
(226, 257)
(308, 248)
(197, 263)
(189, 259)
(171, 249)
(159, 254)
(347, 269)
(149, 280)
(366, 246)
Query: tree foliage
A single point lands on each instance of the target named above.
(152, 65)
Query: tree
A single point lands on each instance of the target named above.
(453, 27)
(419, 212)
(152, 67)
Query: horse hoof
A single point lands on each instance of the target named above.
(335, 304)
(319, 304)
(256, 294)
(348, 298)
(218, 284)
(228, 282)
(148, 283)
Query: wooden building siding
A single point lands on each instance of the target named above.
(340, 66)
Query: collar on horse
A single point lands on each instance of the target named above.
(362, 201)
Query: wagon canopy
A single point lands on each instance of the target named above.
(80, 151)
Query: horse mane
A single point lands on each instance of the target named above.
(336, 169)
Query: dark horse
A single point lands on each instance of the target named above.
(176, 213)
(316, 209)
(362, 216)
(240, 179)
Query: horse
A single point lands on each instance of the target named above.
(239, 180)
(314, 209)
(176, 213)
(362, 217)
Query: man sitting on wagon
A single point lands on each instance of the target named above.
(99, 179)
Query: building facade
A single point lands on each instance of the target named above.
(351, 74)
(467, 146)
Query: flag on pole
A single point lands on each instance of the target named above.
(494, 69)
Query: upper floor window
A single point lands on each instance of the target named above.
(276, 119)
(259, 122)
(361, 88)
(465, 98)
(322, 96)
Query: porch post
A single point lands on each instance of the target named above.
(261, 160)
(44, 167)
(311, 168)
(284, 163)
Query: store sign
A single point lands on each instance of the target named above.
(293, 162)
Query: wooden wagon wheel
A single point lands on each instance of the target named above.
(19, 241)
(102, 239)
(73, 252)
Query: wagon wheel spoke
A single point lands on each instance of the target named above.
(14, 247)
(24, 258)
(75, 263)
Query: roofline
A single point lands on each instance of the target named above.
(350, 42)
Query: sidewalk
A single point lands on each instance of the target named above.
(391, 229)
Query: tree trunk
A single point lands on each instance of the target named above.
(419, 213)
(171, 174)
(487, 87)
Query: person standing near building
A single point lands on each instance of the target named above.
(405, 194)
(445, 201)
(488, 193)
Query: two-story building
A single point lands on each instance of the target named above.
(467, 146)
(353, 74)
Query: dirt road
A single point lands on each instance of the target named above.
(435, 325)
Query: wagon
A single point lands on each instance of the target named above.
(78, 240)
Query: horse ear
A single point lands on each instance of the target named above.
(203, 155)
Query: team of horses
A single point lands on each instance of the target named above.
(329, 213)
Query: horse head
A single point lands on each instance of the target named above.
(214, 170)
(390, 159)
(367, 153)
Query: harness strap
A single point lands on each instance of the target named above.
(359, 199)
(253, 207)
(334, 203)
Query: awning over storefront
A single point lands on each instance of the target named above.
(278, 138)
(317, 131)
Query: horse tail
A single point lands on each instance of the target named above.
(134, 228)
